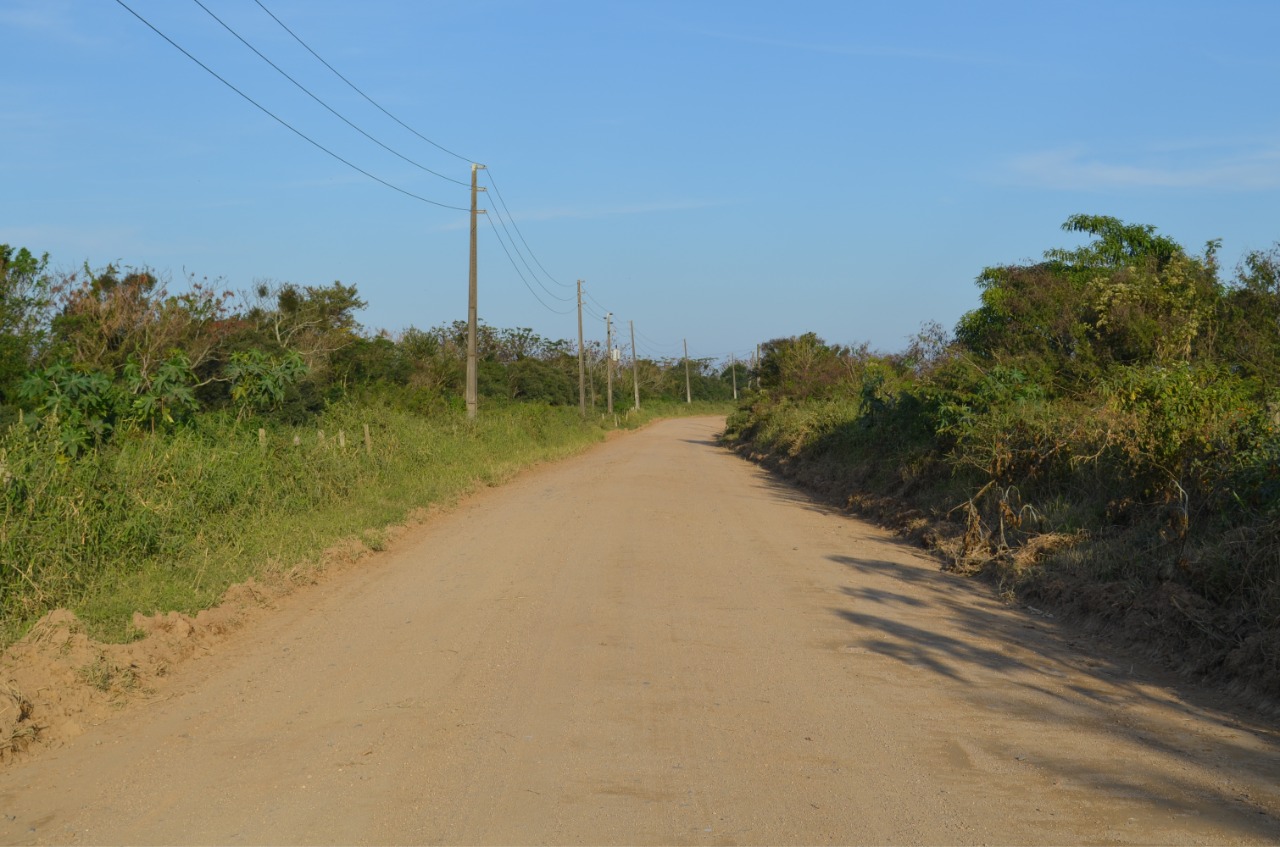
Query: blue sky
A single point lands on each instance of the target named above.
(726, 172)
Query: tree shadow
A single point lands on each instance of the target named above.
(1025, 665)
(794, 494)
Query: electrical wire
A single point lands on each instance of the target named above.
(348, 163)
(646, 353)
(331, 110)
(496, 191)
(357, 90)
(594, 300)
(587, 307)
(656, 344)
(532, 272)
(522, 279)
(281, 121)
(492, 182)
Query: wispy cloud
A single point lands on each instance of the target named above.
(49, 19)
(74, 245)
(614, 211)
(1256, 169)
(859, 50)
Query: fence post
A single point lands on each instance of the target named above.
(368, 441)
(262, 439)
(342, 439)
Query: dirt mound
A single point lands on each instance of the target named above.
(57, 680)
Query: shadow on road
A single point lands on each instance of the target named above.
(1017, 665)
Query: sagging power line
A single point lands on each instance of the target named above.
(375, 103)
(314, 97)
(510, 259)
(514, 245)
(282, 121)
(505, 219)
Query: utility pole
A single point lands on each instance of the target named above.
(608, 362)
(472, 393)
(582, 367)
(635, 371)
(733, 368)
(688, 394)
(755, 366)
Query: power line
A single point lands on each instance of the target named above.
(357, 90)
(366, 173)
(501, 200)
(532, 273)
(521, 234)
(594, 300)
(493, 183)
(646, 353)
(331, 110)
(589, 310)
(517, 270)
(283, 122)
(657, 344)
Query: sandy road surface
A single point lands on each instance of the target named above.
(654, 643)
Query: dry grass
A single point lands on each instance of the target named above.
(109, 677)
(17, 730)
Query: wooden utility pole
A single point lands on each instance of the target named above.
(733, 368)
(472, 393)
(755, 366)
(582, 366)
(635, 371)
(688, 393)
(608, 362)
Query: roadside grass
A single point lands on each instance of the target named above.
(652, 410)
(167, 522)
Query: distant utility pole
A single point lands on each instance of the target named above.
(688, 393)
(755, 366)
(635, 372)
(608, 363)
(733, 368)
(582, 366)
(472, 393)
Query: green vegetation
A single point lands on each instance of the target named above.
(1100, 434)
(157, 447)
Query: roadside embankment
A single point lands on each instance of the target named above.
(1199, 599)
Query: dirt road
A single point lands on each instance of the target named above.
(654, 643)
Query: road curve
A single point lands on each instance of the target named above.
(655, 642)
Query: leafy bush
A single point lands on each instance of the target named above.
(1116, 400)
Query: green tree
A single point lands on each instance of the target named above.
(109, 317)
(313, 321)
(25, 299)
(1129, 296)
(801, 366)
(1249, 319)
